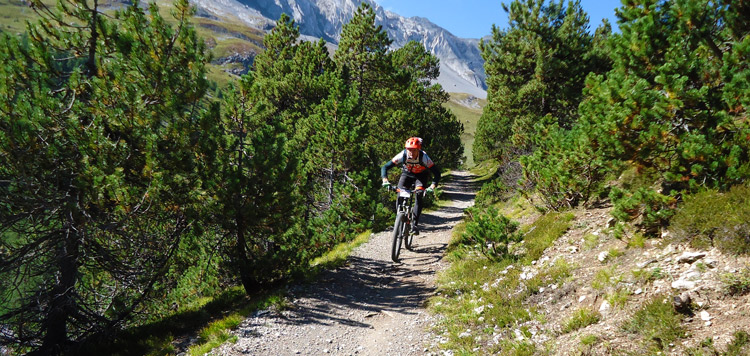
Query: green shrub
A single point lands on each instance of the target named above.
(564, 168)
(581, 318)
(740, 344)
(658, 323)
(544, 232)
(737, 283)
(490, 231)
(653, 208)
(491, 192)
(713, 218)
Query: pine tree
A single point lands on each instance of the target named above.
(363, 49)
(97, 116)
(255, 188)
(672, 103)
(417, 108)
(536, 71)
(291, 73)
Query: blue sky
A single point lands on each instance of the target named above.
(474, 18)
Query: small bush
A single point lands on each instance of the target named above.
(740, 344)
(581, 318)
(590, 241)
(712, 218)
(737, 283)
(645, 276)
(653, 209)
(618, 298)
(491, 231)
(604, 278)
(658, 323)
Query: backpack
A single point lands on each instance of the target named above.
(421, 163)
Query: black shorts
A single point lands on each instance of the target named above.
(417, 180)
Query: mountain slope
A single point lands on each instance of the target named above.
(461, 63)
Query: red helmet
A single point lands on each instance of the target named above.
(413, 142)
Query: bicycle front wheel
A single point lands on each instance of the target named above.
(408, 236)
(398, 234)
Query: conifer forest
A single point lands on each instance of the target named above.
(131, 184)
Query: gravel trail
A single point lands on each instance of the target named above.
(370, 306)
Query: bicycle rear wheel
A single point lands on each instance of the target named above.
(398, 234)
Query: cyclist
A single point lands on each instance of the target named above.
(416, 166)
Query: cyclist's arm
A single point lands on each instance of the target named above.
(435, 174)
(385, 168)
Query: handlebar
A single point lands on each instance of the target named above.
(412, 190)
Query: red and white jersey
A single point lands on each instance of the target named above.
(413, 165)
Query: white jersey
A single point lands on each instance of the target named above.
(413, 165)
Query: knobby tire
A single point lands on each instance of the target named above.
(408, 236)
(398, 232)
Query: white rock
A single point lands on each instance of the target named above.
(602, 256)
(581, 298)
(705, 316)
(683, 284)
(690, 257)
(638, 291)
(646, 263)
(605, 308)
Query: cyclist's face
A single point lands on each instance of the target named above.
(412, 152)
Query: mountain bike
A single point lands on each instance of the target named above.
(405, 211)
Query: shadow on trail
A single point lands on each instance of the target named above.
(366, 288)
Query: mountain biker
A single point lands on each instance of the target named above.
(416, 166)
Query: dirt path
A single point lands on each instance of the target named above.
(370, 306)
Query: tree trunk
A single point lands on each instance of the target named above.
(62, 303)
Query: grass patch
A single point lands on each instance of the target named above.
(737, 283)
(604, 278)
(543, 232)
(644, 276)
(657, 323)
(580, 319)
(712, 218)
(485, 170)
(477, 295)
(740, 345)
(469, 117)
(337, 256)
(157, 338)
(590, 241)
(618, 298)
(637, 241)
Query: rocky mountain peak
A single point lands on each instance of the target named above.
(461, 64)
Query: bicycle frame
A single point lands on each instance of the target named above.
(402, 227)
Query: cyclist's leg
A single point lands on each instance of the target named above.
(406, 180)
(421, 180)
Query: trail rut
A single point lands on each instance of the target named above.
(371, 305)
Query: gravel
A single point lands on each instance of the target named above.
(371, 305)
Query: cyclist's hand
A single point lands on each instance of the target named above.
(430, 189)
(386, 183)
